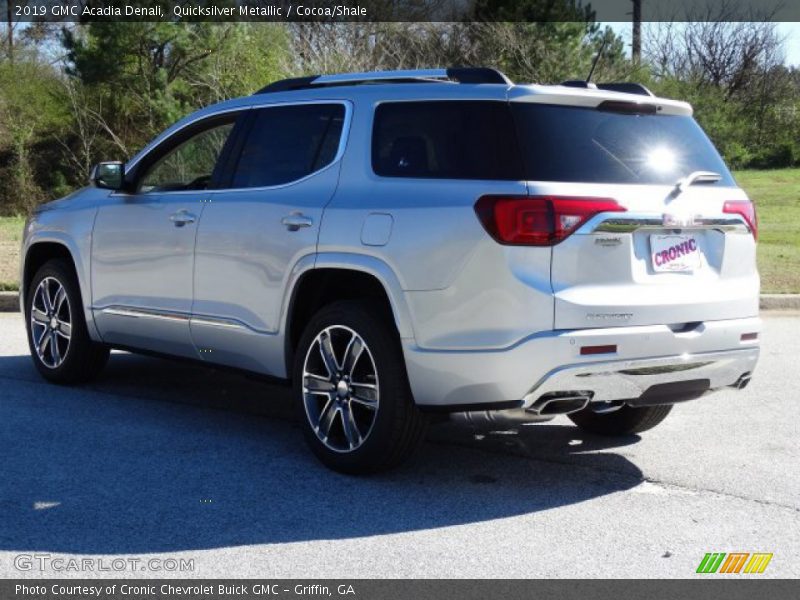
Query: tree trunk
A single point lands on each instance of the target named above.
(10, 26)
(636, 42)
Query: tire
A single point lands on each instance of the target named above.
(58, 339)
(386, 426)
(625, 421)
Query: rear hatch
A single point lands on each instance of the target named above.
(674, 239)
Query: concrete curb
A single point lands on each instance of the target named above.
(780, 302)
(9, 301)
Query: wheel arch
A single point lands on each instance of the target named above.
(37, 252)
(344, 277)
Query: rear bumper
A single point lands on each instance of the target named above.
(634, 379)
(550, 362)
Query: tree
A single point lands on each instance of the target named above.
(168, 70)
(732, 73)
(29, 115)
(544, 52)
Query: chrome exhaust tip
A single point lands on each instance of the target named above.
(742, 382)
(560, 403)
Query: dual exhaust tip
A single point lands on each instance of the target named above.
(563, 403)
(544, 409)
(560, 403)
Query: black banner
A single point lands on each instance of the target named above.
(394, 10)
(361, 589)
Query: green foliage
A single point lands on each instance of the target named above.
(167, 70)
(29, 116)
(754, 128)
(120, 84)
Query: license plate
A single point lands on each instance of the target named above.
(672, 253)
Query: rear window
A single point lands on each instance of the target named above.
(445, 140)
(564, 143)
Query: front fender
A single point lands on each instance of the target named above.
(76, 238)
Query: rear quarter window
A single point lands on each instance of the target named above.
(445, 140)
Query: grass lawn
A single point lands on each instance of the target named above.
(10, 239)
(777, 198)
(775, 193)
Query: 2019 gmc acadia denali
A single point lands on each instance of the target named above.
(400, 242)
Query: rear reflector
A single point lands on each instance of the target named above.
(538, 220)
(747, 210)
(749, 337)
(610, 349)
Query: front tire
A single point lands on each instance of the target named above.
(351, 390)
(625, 421)
(58, 338)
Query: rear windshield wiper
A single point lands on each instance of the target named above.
(691, 179)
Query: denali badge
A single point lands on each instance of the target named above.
(608, 316)
(608, 241)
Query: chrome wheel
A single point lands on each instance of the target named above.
(340, 388)
(51, 322)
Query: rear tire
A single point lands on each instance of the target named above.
(625, 421)
(58, 338)
(351, 390)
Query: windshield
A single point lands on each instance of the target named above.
(587, 145)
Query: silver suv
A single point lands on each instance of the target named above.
(397, 243)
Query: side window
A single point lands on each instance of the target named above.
(189, 165)
(445, 140)
(286, 143)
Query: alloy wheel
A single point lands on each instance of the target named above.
(340, 388)
(51, 322)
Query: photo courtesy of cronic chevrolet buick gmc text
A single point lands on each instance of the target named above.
(398, 243)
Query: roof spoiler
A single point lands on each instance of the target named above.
(626, 87)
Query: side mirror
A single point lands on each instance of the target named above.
(108, 175)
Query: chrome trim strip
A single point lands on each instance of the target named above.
(139, 313)
(608, 381)
(163, 315)
(219, 322)
(616, 223)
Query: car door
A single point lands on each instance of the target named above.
(255, 231)
(143, 242)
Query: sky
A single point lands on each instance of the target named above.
(790, 31)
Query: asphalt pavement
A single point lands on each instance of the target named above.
(166, 460)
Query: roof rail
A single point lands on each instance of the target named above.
(454, 74)
(626, 87)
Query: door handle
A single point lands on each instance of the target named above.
(296, 220)
(182, 217)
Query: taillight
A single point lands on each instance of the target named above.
(747, 210)
(538, 220)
